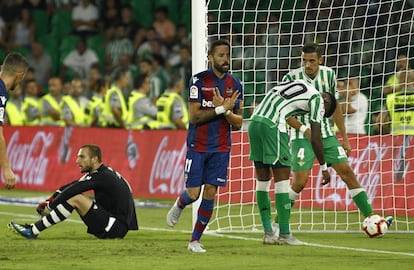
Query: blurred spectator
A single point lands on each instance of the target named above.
(125, 62)
(9, 11)
(22, 33)
(115, 111)
(131, 26)
(392, 83)
(110, 13)
(354, 106)
(56, 5)
(94, 76)
(84, 18)
(172, 109)
(159, 71)
(164, 26)
(14, 113)
(31, 106)
(142, 112)
(93, 111)
(3, 33)
(400, 105)
(144, 49)
(67, 88)
(74, 105)
(41, 63)
(51, 104)
(182, 36)
(119, 45)
(145, 68)
(182, 64)
(79, 61)
(35, 4)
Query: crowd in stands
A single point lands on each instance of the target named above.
(94, 42)
(93, 63)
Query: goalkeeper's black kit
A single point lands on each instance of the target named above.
(112, 193)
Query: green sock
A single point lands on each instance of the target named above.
(292, 202)
(263, 203)
(283, 205)
(361, 200)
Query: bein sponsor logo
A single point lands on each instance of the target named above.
(366, 168)
(167, 172)
(29, 161)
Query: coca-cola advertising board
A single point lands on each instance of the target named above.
(44, 158)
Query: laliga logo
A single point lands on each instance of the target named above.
(366, 172)
(29, 159)
(167, 172)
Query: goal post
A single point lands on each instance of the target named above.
(360, 41)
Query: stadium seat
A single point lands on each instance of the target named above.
(2, 54)
(61, 24)
(41, 21)
(185, 14)
(24, 51)
(51, 46)
(142, 12)
(97, 43)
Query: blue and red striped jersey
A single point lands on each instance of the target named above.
(3, 101)
(213, 136)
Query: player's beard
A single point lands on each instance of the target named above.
(14, 84)
(221, 68)
(86, 169)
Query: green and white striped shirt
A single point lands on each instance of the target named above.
(289, 99)
(325, 81)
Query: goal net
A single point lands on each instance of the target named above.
(360, 39)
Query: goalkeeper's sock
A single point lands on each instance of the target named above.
(360, 198)
(203, 217)
(58, 214)
(184, 200)
(263, 203)
(283, 205)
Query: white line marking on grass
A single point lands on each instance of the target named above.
(321, 245)
(234, 236)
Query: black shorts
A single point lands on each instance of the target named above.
(102, 224)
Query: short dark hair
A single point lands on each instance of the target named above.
(217, 43)
(94, 151)
(14, 62)
(119, 72)
(312, 48)
(139, 80)
(332, 107)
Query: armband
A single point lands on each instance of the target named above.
(303, 128)
(324, 167)
(219, 110)
(227, 113)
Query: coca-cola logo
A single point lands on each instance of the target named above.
(29, 161)
(167, 171)
(366, 168)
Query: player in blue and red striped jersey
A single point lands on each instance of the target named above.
(215, 108)
(13, 70)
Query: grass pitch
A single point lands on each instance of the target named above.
(155, 246)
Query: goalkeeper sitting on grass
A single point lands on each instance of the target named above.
(110, 215)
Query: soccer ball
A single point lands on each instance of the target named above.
(375, 226)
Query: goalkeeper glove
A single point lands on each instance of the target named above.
(43, 208)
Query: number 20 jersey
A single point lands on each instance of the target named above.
(290, 99)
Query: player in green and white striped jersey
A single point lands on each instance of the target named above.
(324, 80)
(269, 148)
